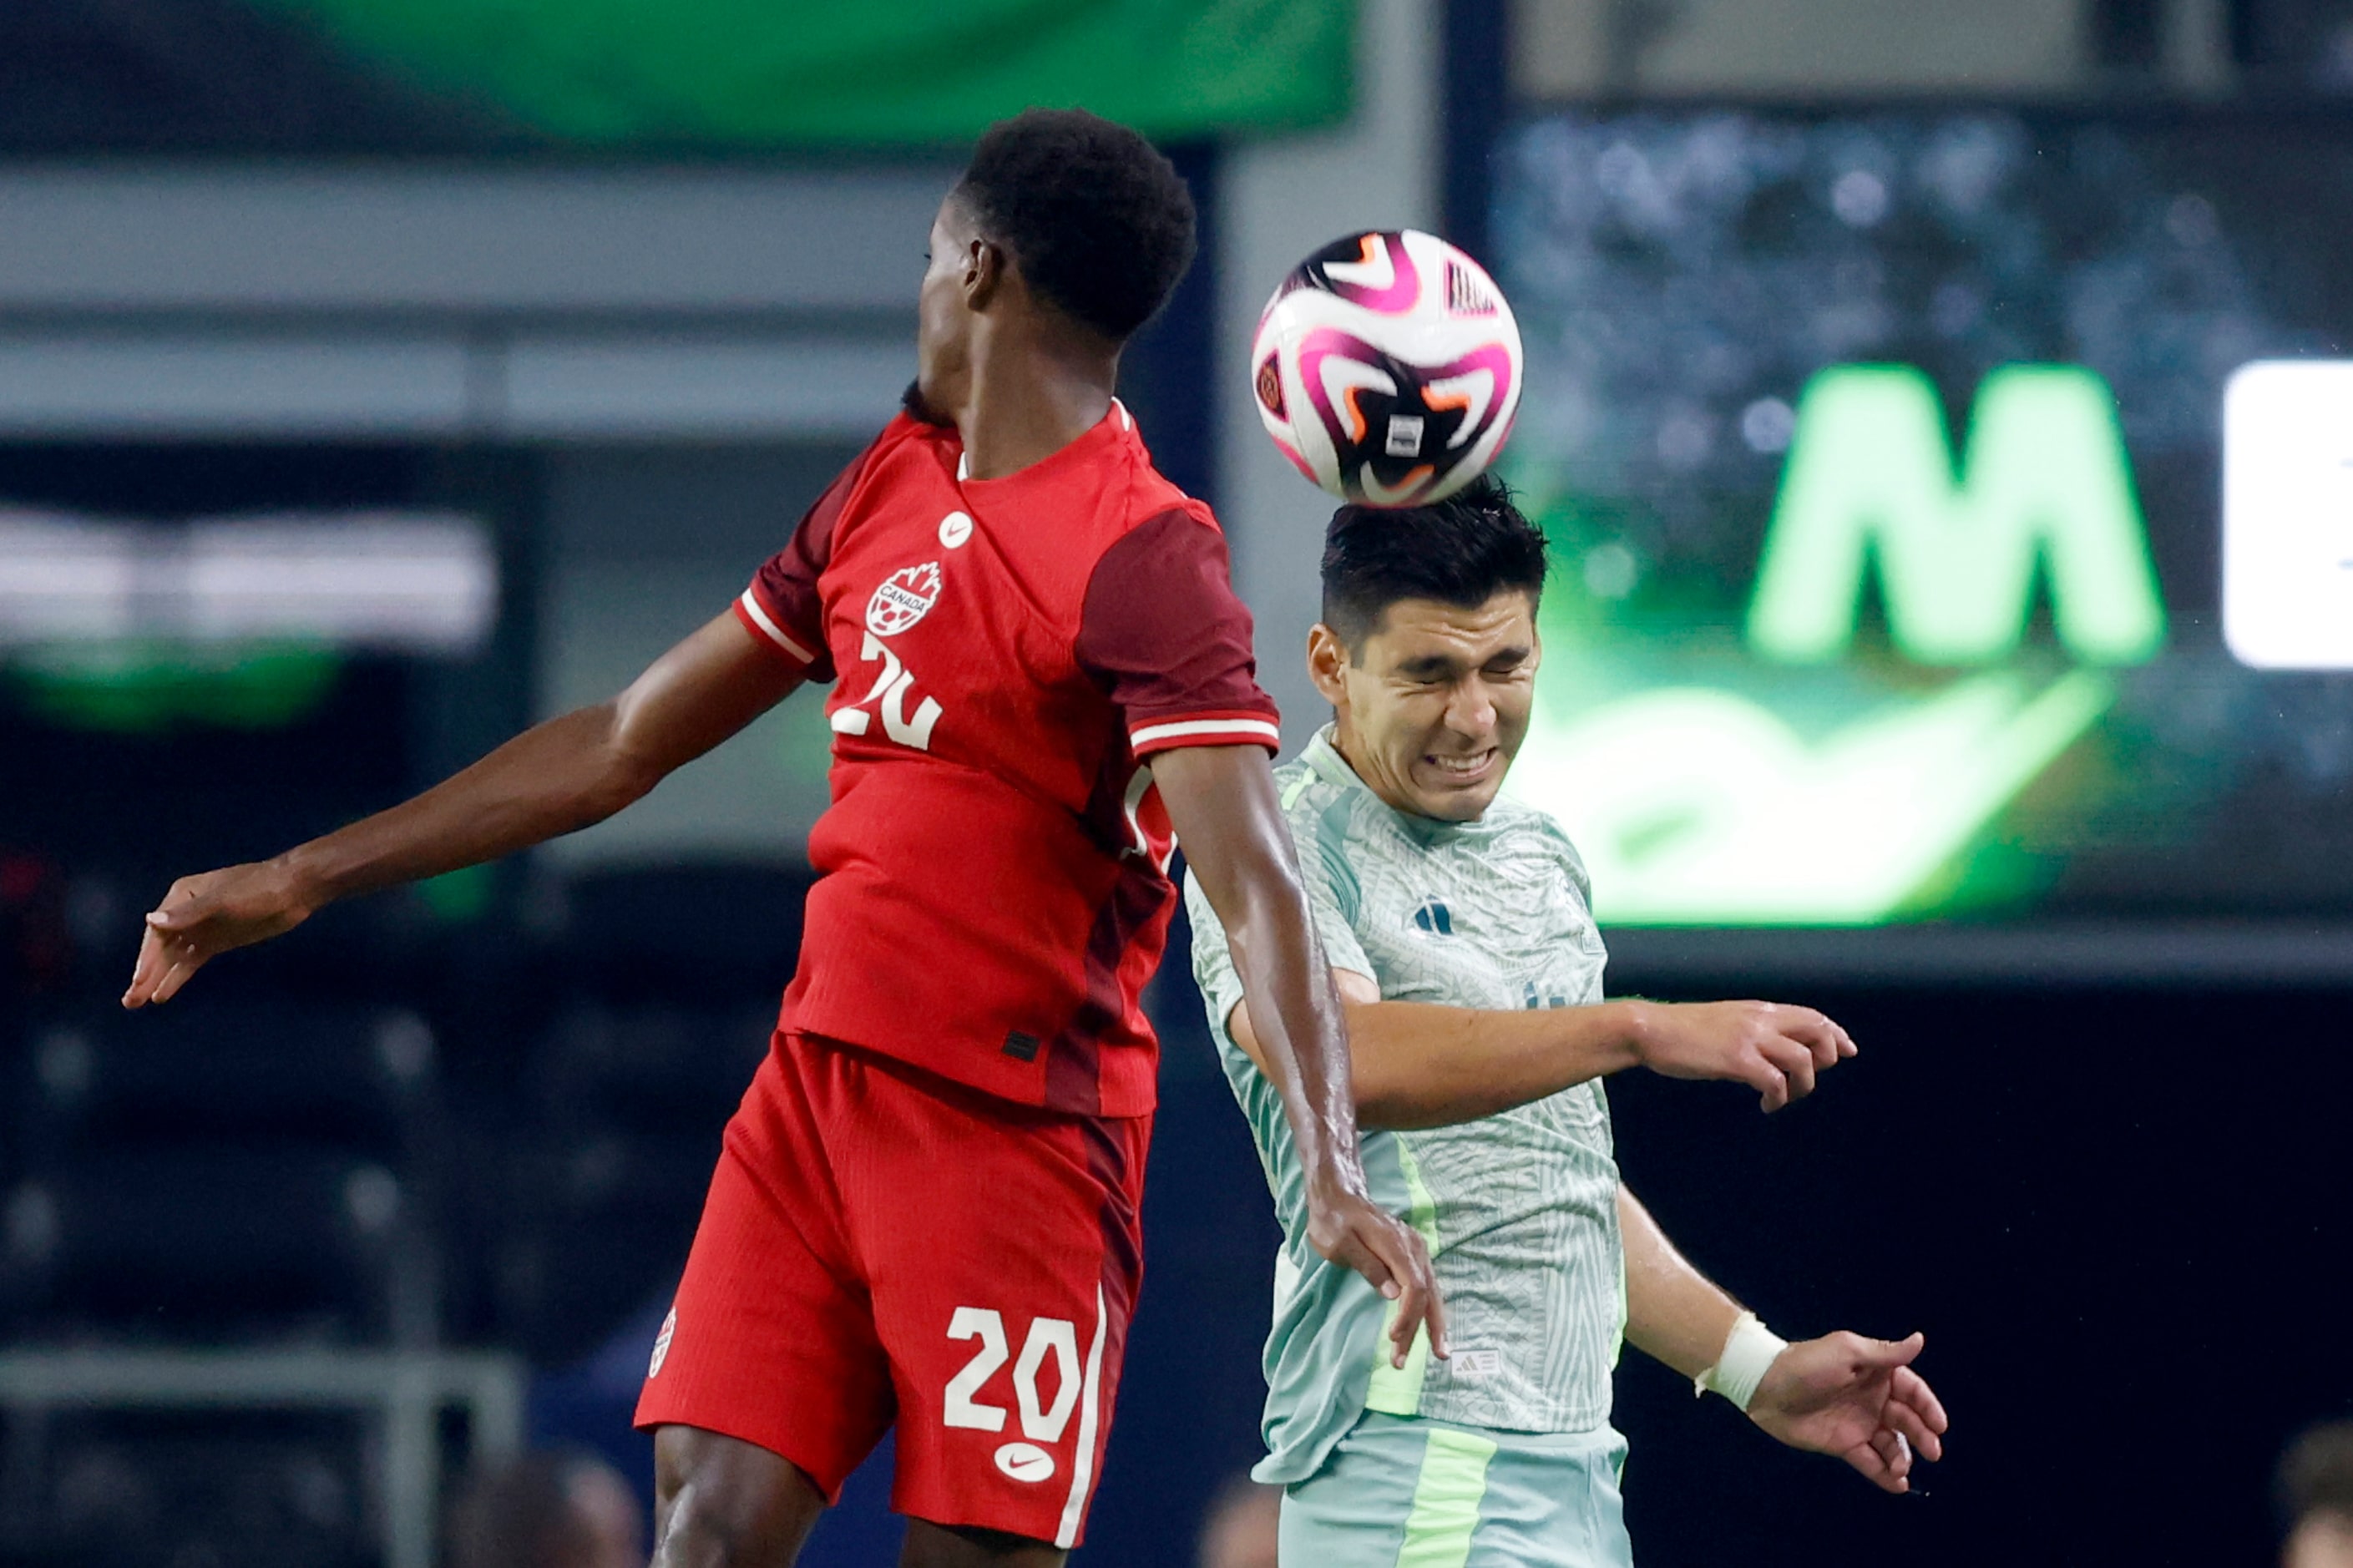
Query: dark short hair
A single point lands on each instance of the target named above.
(1099, 222)
(1460, 551)
(2316, 1474)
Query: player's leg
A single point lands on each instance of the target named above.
(942, 1546)
(769, 1384)
(1407, 1490)
(1550, 1500)
(721, 1502)
(1003, 1248)
(1353, 1511)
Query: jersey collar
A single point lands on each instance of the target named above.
(1116, 424)
(1323, 759)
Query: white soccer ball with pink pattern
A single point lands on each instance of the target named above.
(1386, 368)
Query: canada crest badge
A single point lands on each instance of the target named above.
(903, 598)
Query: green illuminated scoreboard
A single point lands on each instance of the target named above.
(1883, 461)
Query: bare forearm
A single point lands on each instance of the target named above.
(1418, 1065)
(551, 780)
(561, 775)
(1674, 1312)
(558, 776)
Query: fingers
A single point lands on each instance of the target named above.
(1906, 1422)
(1822, 1041)
(1798, 1044)
(1881, 1353)
(1827, 1043)
(1436, 1316)
(1877, 1464)
(1796, 1065)
(1406, 1260)
(1410, 1307)
(183, 970)
(1913, 1390)
(164, 966)
(1352, 1252)
(1894, 1455)
(157, 946)
(147, 970)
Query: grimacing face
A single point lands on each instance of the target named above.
(1434, 703)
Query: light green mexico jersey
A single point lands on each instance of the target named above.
(1520, 1209)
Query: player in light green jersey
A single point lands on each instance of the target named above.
(1458, 928)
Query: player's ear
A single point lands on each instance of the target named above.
(1327, 663)
(984, 272)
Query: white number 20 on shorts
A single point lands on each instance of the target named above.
(1039, 1422)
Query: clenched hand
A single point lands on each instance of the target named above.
(1774, 1048)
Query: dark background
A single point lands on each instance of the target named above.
(2118, 1211)
(2118, 1216)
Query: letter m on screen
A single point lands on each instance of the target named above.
(1871, 476)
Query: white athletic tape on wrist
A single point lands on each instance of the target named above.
(1748, 1351)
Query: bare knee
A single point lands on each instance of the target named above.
(721, 1502)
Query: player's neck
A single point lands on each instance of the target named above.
(1029, 399)
(1344, 742)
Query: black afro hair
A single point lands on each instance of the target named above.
(1099, 222)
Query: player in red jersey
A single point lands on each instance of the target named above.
(926, 1215)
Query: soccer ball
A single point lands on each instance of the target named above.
(1386, 368)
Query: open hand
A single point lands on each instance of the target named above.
(205, 916)
(1348, 1228)
(1857, 1398)
(1774, 1048)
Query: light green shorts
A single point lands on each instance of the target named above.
(1402, 1492)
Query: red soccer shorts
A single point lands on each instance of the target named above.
(884, 1246)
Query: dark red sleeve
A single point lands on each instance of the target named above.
(1164, 633)
(781, 607)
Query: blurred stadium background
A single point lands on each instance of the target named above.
(377, 377)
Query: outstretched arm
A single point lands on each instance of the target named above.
(1419, 1065)
(1221, 800)
(1674, 1314)
(551, 780)
(1842, 1394)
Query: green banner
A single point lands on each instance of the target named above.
(872, 72)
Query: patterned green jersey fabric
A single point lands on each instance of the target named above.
(1519, 1209)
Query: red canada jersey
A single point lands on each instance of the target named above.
(1007, 654)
